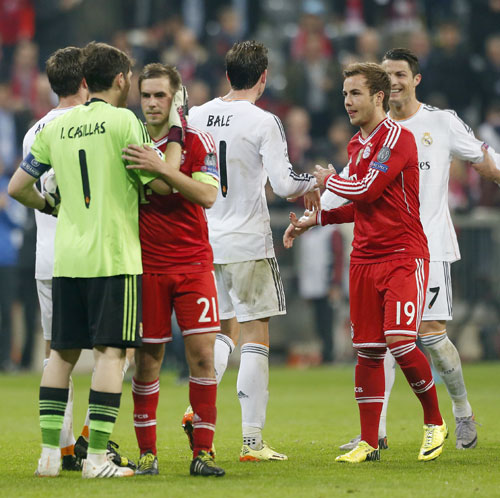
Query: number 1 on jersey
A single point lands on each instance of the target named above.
(223, 167)
(85, 176)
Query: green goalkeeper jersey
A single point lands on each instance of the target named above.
(97, 230)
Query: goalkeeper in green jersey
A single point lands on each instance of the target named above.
(97, 261)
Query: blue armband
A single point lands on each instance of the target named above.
(33, 167)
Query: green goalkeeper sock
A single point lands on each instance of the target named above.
(52, 403)
(103, 410)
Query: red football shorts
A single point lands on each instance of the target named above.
(386, 298)
(193, 296)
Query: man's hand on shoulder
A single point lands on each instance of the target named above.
(487, 168)
(144, 157)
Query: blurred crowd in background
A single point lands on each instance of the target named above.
(310, 42)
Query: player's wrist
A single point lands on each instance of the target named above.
(175, 134)
(48, 208)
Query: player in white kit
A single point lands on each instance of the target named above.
(251, 149)
(66, 80)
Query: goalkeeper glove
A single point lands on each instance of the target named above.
(177, 119)
(51, 194)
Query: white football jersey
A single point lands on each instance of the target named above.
(251, 147)
(440, 135)
(45, 224)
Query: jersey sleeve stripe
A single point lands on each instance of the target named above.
(299, 177)
(393, 134)
(205, 138)
(280, 126)
(352, 188)
(404, 191)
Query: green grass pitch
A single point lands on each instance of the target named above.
(310, 413)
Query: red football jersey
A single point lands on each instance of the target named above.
(173, 230)
(383, 185)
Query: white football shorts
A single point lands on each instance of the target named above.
(438, 299)
(44, 289)
(250, 290)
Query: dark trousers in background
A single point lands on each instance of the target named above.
(8, 279)
(323, 320)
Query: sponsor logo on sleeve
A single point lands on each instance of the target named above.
(383, 155)
(381, 167)
(210, 165)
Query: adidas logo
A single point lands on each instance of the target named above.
(241, 395)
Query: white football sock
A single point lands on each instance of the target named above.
(446, 360)
(390, 375)
(67, 437)
(252, 384)
(223, 348)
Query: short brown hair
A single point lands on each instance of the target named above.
(64, 70)
(377, 79)
(157, 70)
(245, 63)
(102, 63)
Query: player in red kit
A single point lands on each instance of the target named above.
(178, 269)
(389, 261)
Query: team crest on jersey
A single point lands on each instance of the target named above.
(383, 154)
(427, 139)
(367, 151)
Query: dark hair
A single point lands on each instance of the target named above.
(157, 70)
(245, 63)
(377, 79)
(64, 70)
(404, 54)
(102, 63)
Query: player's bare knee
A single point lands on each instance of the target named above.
(230, 328)
(148, 360)
(432, 332)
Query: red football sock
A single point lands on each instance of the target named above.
(145, 396)
(418, 373)
(369, 392)
(202, 396)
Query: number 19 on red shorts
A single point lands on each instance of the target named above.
(386, 298)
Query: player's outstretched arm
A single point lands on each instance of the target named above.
(487, 168)
(145, 158)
